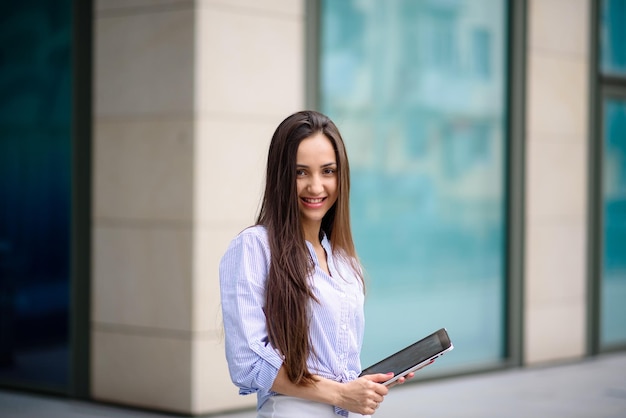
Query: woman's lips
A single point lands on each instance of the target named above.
(313, 202)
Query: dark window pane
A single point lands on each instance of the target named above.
(35, 192)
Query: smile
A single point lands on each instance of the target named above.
(313, 201)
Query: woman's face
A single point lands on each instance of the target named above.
(316, 179)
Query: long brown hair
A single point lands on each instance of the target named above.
(288, 292)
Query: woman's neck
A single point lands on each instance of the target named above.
(312, 233)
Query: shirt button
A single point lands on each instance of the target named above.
(344, 327)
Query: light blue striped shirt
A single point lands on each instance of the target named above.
(336, 325)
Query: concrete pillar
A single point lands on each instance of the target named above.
(556, 180)
(187, 94)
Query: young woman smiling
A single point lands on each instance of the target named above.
(292, 288)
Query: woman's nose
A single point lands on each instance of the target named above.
(315, 185)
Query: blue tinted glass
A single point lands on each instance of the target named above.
(613, 311)
(612, 37)
(35, 163)
(418, 90)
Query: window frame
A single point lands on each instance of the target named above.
(515, 160)
(601, 87)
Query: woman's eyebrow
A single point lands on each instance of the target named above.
(322, 166)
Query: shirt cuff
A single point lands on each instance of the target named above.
(273, 361)
(341, 412)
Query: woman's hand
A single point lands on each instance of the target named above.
(363, 395)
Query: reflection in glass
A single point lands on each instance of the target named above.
(418, 91)
(613, 308)
(612, 36)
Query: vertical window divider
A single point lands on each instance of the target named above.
(515, 182)
(312, 54)
(594, 212)
(80, 267)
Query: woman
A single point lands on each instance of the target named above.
(292, 288)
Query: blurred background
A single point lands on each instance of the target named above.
(487, 144)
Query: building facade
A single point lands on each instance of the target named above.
(487, 141)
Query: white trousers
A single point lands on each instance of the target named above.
(281, 406)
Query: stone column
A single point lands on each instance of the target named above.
(556, 180)
(187, 94)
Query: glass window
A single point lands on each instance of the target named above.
(35, 192)
(613, 308)
(612, 36)
(418, 91)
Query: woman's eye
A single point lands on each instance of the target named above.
(300, 173)
(329, 171)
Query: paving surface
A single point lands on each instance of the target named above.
(590, 388)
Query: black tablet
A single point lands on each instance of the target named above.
(413, 357)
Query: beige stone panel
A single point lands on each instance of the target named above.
(144, 64)
(143, 169)
(134, 6)
(560, 26)
(142, 276)
(556, 180)
(555, 263)
(557, 96)
(554, 332)
(148, 371)
(277, 7)
(248, 64)
(213, 391)
(231, 156)
(211, 242)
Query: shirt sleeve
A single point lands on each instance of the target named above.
(253, 362)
